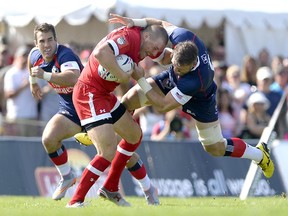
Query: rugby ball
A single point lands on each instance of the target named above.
(125, 63)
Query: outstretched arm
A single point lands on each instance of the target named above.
(129, 22)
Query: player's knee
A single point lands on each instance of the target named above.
(109, 153)
(133, 134)
(137, 136)
(212, 140)
(107, 150)
(130, 100)
(50, 143)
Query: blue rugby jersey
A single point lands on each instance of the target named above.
(196, 90)
(63, 55)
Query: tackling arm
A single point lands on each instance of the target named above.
(161, 103)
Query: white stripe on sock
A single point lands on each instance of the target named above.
(123, 151)
(94, 170)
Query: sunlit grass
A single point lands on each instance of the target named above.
(215, 206)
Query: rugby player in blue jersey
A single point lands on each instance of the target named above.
(188, 83)
(60, 67)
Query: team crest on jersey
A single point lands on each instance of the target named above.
(55, 69)
(167, 83)
(121, 40)
(204, 58)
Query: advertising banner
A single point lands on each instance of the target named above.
(177, 169)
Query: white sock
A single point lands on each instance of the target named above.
(144, 183)
(64, 169)
(253, 153)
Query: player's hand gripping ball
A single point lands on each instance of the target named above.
(124, 62)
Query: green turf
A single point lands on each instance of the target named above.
(217, 206)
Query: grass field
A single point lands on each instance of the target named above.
(217, 206)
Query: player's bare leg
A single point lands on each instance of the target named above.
(213, 142)
(52, 141)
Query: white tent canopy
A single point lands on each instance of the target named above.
(252, 13)
(84, 22)
(19, 13)
(249, 25)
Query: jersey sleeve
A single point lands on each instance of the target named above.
(68, 60)
(34, 55)
(178, 35)
(179, 96)
(70, 65)
(170, 29)
(119, 41)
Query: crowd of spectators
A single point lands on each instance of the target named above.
(247, 97)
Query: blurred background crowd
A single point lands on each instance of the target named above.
(247, 96)
(247, 44)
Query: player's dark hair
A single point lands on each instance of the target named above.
(185, 53)
(44, 27)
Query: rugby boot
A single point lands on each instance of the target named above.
(266, 164)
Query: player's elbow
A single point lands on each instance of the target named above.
(97, 54)
(103, 53)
